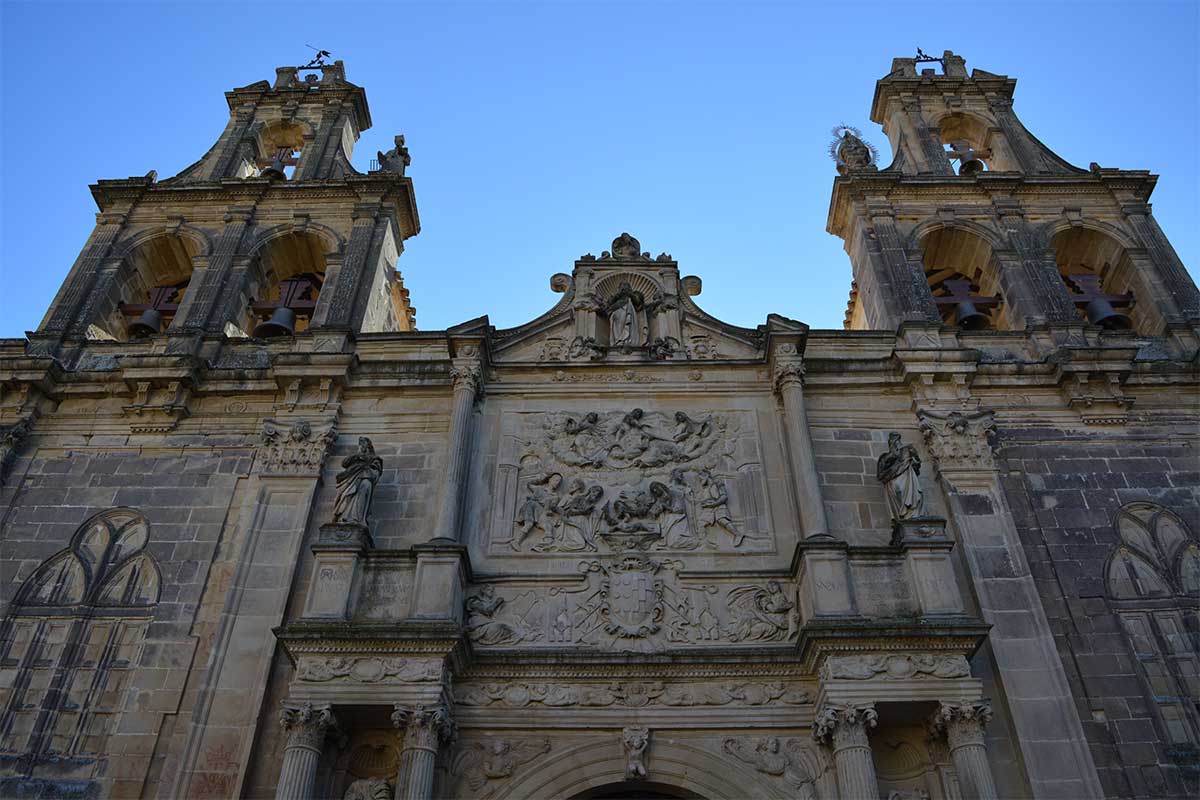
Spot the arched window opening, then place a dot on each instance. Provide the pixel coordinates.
(971, 145)
(963, 276)
(291, 273)
(71, 642)
(149, 289)
(1153, 581)
(1099, 274)
(279, 147)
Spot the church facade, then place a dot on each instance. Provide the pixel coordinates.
(261, 536)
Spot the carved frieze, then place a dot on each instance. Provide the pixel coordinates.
(636, 480)
(295, 447)
(633, 602)
(959, 440)
(626, 694)
(895, 667)
(366, 669)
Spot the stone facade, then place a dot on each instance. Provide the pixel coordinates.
(262, 537)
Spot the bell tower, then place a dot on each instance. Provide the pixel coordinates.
(976, 224)
(272, 233)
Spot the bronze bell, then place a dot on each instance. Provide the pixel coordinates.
(281, 323)
(971, 167)
(1101, 312)
(148, 324)
(968, 317)
(274, 170)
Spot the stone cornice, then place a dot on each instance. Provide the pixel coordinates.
(957, 635)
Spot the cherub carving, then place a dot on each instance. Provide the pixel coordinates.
(496, 759)
(764, 613)
(771, 756)
(635, 741)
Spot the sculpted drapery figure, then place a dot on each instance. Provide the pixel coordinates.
(899, 470)
(356, 484)
(624, 328)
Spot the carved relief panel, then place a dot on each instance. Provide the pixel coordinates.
(628, 480)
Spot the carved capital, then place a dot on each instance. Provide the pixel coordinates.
(961, 723)
(467, 375)
(306, 724)
(11, 440)
(425, 727)
(959, 440)
(295, 447)
(788, 370)
(845, 726)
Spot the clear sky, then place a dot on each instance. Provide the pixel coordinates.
(539, 131)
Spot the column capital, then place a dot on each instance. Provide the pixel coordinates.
(959, 440)
(467, 375)
(961, 723)
(842, 726)
(306, 724)
(295, 447)
(425, 727)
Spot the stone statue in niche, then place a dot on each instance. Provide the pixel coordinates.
(626, 330)
(486, 626)
(764, 614)
(899, 470)
(356, 484)
(635, 741)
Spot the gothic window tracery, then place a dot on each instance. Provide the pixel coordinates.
(1153, 579)
(72, 639)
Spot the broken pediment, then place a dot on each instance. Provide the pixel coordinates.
(625, 307)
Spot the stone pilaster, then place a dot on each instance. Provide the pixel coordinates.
(962, 724)
(306, 726)
(1167, 263)
(426, 729)
(1033, 288)
(205, 287)
(788, 370)
(1046, 723)
(77, 289)
(467, 375)
(845, 730)
(911, 294)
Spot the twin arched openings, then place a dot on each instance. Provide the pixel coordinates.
(71, 641)
(279, 295)
(1152, 579)
(968, 283)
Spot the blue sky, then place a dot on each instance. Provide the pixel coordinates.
(539, 131)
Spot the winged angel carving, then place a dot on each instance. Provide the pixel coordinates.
(481, 762)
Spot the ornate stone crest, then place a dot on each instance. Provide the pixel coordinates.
(631, 598)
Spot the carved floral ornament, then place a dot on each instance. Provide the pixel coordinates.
(295, 447)
(306, 724)
(961, 723)
(844, 725)
(959, 440)
(894, 667)
(626, 694)
(424, 726)
(366, 669)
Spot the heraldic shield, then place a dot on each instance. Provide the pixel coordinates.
(632, 598)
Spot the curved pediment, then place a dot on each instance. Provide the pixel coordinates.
(624, 307)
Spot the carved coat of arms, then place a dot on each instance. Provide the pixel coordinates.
(631, 598)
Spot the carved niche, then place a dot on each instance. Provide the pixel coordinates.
(621, 481)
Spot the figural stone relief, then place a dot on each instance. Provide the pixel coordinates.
(624, 694)
(895, 666)
(633, 603)
(794, 761)
(621, 481)
(483, 764)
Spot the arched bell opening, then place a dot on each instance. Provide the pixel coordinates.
(150, 287)
(963, 276)
(279, 148)
(972, 146)
(288, 274)
(1100, 277)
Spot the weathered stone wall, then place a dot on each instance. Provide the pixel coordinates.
(1065, 489)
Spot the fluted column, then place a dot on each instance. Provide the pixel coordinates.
(425, 729)
(306, 726)
(962, 724)
(789, 385)
(467, 374)
(845, 730)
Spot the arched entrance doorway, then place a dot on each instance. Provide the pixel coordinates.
(637, 790)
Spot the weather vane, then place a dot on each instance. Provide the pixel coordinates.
(924, 58)
(319, 61)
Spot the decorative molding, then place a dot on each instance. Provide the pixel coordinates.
(306, 724)
(367, 669)
(894, 667)
(295, 447)
(624, 694)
